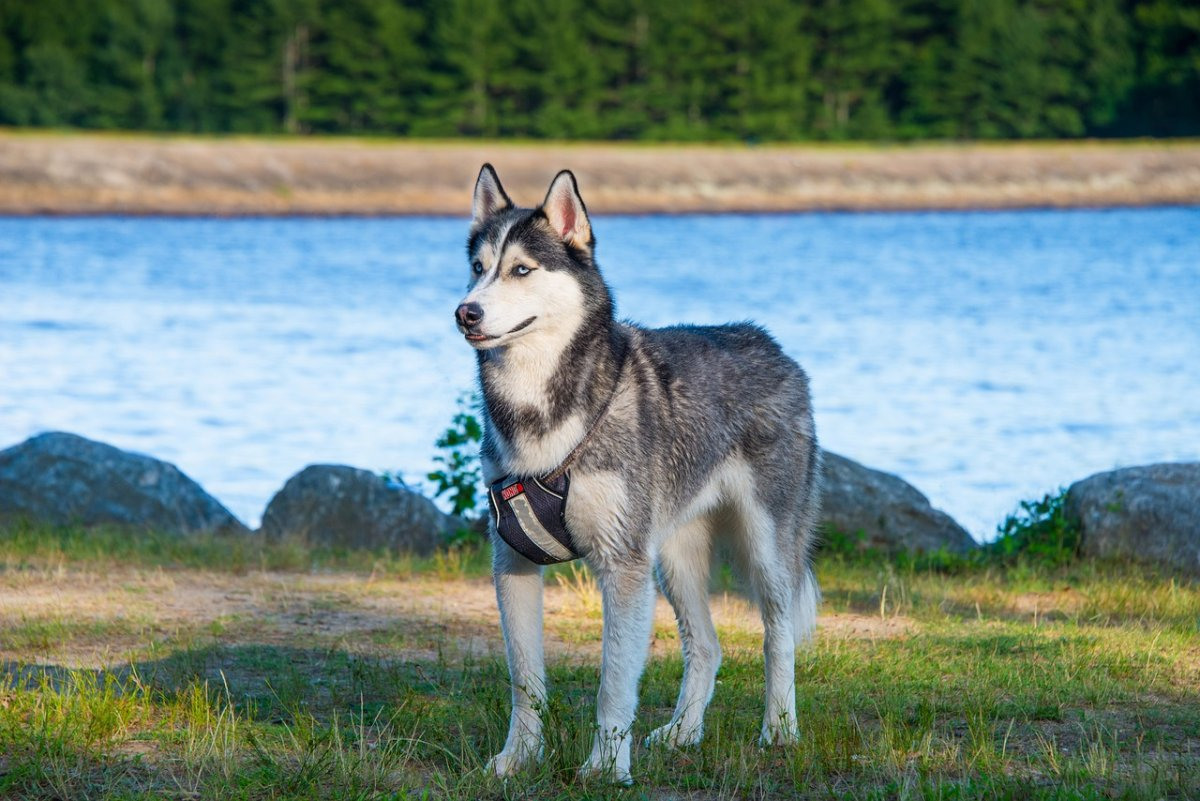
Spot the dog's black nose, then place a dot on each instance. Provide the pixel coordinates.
(469, 314)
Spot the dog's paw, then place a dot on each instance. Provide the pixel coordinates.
(502, 765)
(510, 761)
(605, 771)
(778, 734)
(675, 735)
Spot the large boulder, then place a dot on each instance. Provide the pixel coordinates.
(885, 510)
(60, 479)
(1147, 514)
(346, 507)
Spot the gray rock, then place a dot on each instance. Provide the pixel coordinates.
(1148, 514)
(891, 514)
(341, 506)
(61, 479)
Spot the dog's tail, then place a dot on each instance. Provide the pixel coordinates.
(806, 598)
(806, 595)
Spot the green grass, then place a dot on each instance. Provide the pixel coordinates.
(26, 547)
(45, 633)
(1071, 681)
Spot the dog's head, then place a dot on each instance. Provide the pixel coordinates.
(532, 272)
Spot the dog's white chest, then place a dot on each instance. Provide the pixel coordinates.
(530, 455)
(597, 510)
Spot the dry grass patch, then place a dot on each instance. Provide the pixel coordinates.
(136, 174)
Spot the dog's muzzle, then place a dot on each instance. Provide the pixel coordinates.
(530, 516)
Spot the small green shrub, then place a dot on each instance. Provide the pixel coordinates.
(1038, 531)
(459, 473)
(852, 548)
(838, 542)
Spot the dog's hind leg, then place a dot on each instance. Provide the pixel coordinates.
(774, 586)
(627, 592)
(683, 569)
(519, 594)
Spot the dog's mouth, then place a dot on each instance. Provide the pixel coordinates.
(522, 325)
(475, 335)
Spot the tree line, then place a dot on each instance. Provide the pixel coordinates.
(771, 70)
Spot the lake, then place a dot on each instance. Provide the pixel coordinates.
(985, 357)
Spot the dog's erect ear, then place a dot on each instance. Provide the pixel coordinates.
(564, 209)
(490, 196)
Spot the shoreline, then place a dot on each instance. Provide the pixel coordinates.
(101, 174)
(123, 214)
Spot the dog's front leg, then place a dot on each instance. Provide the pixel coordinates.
(519, 595)
(627, 593)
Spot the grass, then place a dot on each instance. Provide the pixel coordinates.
(26, 547)
(141, 667)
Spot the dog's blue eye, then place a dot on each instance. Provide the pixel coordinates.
(521, 269)
(477, 267)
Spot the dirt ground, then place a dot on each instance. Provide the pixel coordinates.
(84, 619)
(48, 173)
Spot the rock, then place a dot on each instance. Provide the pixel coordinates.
(351, 508)
(891, 514)
(61, 478)
(1148, 514)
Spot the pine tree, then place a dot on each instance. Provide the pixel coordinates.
(123, 64)
(770, 81)
(1165, 100)
(51, 42)
(369, 68)
(856, 61)
(469, 55)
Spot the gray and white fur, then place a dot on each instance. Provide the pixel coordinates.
(701, 433)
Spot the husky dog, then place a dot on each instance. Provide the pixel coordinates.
(677, 437)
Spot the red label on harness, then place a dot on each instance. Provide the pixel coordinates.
(511, 491)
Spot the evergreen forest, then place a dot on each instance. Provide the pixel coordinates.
(767, 70)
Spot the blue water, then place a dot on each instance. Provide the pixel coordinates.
(985, 357)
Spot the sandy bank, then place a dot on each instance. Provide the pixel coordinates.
(97, 174)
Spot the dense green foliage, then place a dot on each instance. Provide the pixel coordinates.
(623, 69)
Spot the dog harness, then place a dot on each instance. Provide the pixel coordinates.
(531, 513)
(531, 517)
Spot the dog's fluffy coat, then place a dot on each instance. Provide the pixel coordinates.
(700, 434)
